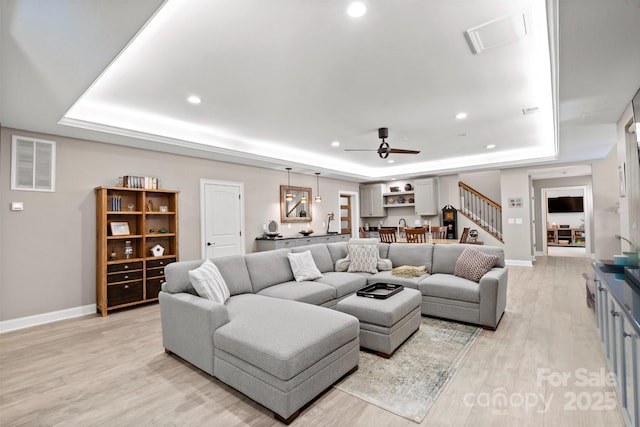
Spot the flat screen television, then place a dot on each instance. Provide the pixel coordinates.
(566, 204)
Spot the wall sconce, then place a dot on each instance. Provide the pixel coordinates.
(289, 196)
(318, 197)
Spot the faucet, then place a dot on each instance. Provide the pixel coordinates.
(329, 221)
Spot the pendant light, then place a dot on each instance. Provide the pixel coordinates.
(318, 197)
(289, 196)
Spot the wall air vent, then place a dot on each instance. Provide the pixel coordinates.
(498, 32)
(33, 164)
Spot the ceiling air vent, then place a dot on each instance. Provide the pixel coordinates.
(32, 164)
(498, 32)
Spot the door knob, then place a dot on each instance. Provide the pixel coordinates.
(209, 244)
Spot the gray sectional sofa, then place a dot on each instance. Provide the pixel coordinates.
(276, 341)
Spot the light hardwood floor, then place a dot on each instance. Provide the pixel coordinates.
(112, 371)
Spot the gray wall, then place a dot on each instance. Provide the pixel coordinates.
(47, 251)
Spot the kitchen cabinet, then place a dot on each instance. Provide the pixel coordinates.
(617, 314)
(371, 201)
(426, 196)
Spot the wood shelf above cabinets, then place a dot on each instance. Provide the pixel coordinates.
(399, 193)
(125, 282)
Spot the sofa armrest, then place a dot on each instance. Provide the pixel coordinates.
(188, 323)
(493, 296)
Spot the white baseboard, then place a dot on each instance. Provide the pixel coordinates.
(39, 319)
(518, 262)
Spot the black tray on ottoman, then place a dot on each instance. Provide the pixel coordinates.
(379, 290)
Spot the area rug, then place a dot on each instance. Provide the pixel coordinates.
(409, 383)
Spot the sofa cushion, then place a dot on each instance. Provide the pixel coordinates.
(344, 283)
(473, 264)
(450, 287)
(303, 266)
(209, 283)
(320, 254)
(268, 268)
(337, 250)
(268, 333)
(233, 270)
(363, 258)
(445, 256)
(415, 254)
(315, 293)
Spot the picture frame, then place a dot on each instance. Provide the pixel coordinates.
(622, 179)
(119, 228)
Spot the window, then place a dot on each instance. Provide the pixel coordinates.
(33, 164)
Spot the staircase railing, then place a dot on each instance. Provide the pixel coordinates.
(480, 209)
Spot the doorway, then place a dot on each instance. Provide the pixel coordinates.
(349, 221)
(566, 219)
(221, 218)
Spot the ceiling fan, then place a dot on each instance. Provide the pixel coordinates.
(384, 150)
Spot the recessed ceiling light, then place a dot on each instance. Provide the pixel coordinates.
(391, 161)
(461, 116)
(356, 9)
(335, 143)
(490, 146)
(194, 99)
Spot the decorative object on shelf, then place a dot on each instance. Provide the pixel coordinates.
(120, 228)
(412, 200)
(408, 187)
(145, 182)
(391, 200)
(128, 249)
(113, 256)
(116, 203)
(164, 209)
(149, 205)
(401, 200)
(271, 229)
(318, 197)
(289, 194)
(131, 207)
(162, 231)
(394, 189)
(473, 236)
(157, 250)
(306, 232)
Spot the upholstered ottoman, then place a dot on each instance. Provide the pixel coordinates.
(385, 323)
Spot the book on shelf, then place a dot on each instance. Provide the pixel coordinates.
(146, 182)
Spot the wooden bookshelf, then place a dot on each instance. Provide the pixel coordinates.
(122, 279)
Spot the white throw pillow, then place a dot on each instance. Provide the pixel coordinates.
(209, 283)
(303, 266)
(364, 258)
(342, 264)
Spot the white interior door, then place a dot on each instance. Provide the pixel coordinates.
(222, 218)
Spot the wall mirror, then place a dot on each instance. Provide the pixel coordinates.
(298, 209)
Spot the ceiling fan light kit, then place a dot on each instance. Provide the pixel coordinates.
(384, 149)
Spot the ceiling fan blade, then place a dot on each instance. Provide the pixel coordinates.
(401, 151)
(360, 149)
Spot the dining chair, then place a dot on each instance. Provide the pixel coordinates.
(416, 235)
(387, 235)
(439, 232)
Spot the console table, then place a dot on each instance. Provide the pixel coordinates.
(267, 244)
(618, 317)
(565, 237)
